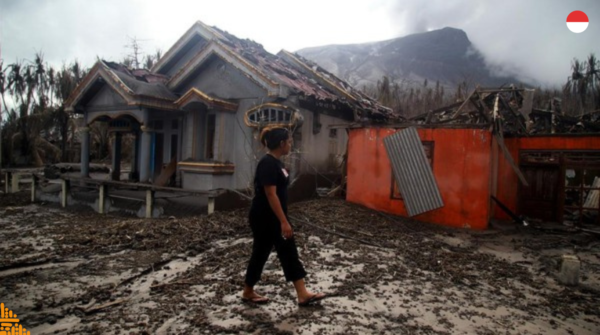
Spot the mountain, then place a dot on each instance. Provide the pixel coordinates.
(446, 55)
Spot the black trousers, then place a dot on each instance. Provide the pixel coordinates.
(267, 234)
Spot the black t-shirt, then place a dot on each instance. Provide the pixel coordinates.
(270, 171)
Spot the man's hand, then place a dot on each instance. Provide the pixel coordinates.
(286, 230)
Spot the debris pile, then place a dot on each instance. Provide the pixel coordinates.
(513, 108)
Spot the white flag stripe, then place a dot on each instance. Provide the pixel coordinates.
(577, 27)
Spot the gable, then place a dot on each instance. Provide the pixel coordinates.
(105, 96)
(185, 48)
(183, 55)
(218, 78)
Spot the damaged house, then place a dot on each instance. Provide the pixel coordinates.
(196, 115)
(489, 157)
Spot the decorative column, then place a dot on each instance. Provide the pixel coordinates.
(145, 154)
(135, 166)
(85, 151)
(116, 156)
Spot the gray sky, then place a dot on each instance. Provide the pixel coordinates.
(529, 39)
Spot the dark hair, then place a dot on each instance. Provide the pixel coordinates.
(272, 137)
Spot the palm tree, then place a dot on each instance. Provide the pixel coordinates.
(584, 84)
(593, 79)
(16, 82)
(51, 85)
(66, 81)
(39, 73)
(3, 85)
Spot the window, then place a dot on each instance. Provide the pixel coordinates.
(175, 124)
(428, 147)
(271, 114)
(211, 126)
(333, 133)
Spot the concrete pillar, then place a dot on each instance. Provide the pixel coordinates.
(33, 187)
(15, 182)
(116, 157)
(145, 154)
(135, 167)
(65, 192)
(102, 199)
(211, 205)
(85, 151)
(149, 203)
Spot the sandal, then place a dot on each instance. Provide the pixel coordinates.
(314, 298)
(258, 300)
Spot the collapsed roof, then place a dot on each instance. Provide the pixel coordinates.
(512, 107)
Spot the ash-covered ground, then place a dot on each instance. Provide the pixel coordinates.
(72, 271)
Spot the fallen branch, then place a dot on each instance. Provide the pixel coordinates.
(94, 309)
(145, 272)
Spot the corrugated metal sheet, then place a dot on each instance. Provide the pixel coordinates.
(412, 172)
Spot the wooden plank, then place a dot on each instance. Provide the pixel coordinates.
(508, 156)
(498, 90)
(514, 216)
(458, 111)
(435, 111)
(515, 113)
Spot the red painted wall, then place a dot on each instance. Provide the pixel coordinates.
(461, 165)
(508, 182)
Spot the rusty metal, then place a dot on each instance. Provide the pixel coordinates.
(412, 172)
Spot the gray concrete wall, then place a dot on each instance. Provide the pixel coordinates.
(224, 136)
(319, 151)
(188, 126)
(322, 151)
(246, 149)
(194, 121)
(197, 181)
(222, 181)
(220, 79)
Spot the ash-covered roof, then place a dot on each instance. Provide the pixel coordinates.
(304, 77)
(299, 75)
(142, 82)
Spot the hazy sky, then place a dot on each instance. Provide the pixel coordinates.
(526, 38)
